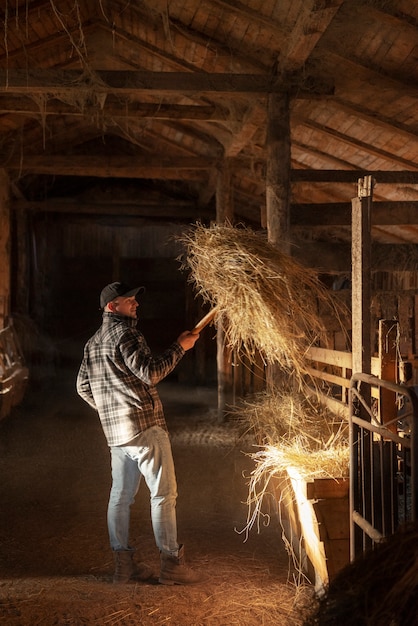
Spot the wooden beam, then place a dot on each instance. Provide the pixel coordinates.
(164, 209)
(358, 144)
(251, 124)
(298, 43)
(339, 214)
(115, 39)
(238, 8)
(128, 82)
(369, 75)
(115, 166)
(335, 258)
(185, 34)
(300, 150)
(112, 108)
(59, 38)
(311, 23)
(132, 82)
(375, 118)
(408, 176)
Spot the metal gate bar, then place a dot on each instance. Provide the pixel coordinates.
(383, 462)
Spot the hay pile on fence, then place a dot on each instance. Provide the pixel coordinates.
(296, 430)
(270, 303)
(286, 416)
(292, 431)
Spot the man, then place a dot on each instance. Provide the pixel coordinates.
(117, 378)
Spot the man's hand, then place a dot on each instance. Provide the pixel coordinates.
(187, 339)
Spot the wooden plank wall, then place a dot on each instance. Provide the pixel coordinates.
(400, 305)
(4, 250)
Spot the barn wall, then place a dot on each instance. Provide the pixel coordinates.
(71, 261)
(394, 296)
(4, 250)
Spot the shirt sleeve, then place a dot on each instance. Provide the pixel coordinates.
(138, 357)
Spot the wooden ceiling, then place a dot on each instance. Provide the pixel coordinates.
(132, 107)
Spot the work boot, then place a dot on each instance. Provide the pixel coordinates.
(126, 569)
(174, 570)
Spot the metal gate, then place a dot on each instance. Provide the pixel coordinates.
(383, 461)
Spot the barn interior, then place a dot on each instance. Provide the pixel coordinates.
(123, 125)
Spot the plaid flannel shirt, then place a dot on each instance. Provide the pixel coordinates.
(117, 378)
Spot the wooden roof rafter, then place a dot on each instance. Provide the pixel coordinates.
(312, 22)
(241, 57)
(360, 145)
(375, 117)
(365, 72)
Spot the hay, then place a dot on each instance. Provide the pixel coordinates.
(379, 587)
(273, 461)
(296, 431)
(282, 417)
(293, 431)
(269, 302)
(329, 463)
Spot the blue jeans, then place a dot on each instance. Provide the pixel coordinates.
(148, 456)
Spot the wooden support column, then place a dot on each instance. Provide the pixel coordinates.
(278, 188)
(4, 249)
(224, 196)
(224, 214)
(278, 171)
(361, 325)
(361, 276)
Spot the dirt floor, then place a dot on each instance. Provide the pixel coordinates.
(55, 562)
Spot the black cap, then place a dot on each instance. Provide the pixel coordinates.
(116, 290)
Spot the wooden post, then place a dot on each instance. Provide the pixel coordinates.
(278, 171)
(4, 249)
(224, 196)
(361, 276)
(361, 320)
(224, 214)
(278, 187)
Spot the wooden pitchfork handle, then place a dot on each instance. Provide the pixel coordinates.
(204, 322)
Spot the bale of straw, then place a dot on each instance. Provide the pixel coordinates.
(268, 301)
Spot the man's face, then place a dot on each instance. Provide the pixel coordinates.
(126, 306)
